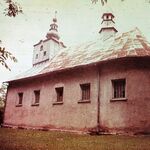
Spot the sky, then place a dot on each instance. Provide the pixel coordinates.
(78, 20)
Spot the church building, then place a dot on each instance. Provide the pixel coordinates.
(101, 85)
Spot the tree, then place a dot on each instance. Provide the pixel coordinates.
(13, 8)
(4, 56)
(3, 90)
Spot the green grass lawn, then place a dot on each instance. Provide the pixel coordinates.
(15, 139)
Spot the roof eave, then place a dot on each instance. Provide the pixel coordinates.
(71, 68)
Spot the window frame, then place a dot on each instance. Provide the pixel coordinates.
(41, 48)
(37, 94)
(44, 53)
(120, 85)
(85, 90)
(57, 102)
(36, 56)
(59, 94)
(19, 99)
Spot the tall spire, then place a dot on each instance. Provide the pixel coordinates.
(108, 25)
(53, 31)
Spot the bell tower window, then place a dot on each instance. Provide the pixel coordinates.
(36, 56)
(41, 48)
(44, 53)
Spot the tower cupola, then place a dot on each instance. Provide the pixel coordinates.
(53, 31)
(46, 49)
(108, 25)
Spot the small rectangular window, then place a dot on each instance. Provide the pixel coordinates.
(119, 88)
(44, 53)
(20, 96)
(36, 57)
(41, 47)
(37, 96)
(85, 91)
(59, 92)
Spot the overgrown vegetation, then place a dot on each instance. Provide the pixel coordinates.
(1, 115)
(3, 90)
(14, 139)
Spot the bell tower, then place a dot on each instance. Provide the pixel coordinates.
(108, 25)
(46, 49)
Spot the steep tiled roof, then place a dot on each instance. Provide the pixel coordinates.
(129, 44)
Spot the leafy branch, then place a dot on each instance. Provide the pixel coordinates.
(102, 2)
(13, 8)
(4, 55)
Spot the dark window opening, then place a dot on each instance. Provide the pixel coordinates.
(41, 48)
(44, 53)
(119, 88)
(85, 89)
(59, 92)
(20, 95)
(36, 56)
(37, 96)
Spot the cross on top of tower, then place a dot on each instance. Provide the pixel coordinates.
(55, 19)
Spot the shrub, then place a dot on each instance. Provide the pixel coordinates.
(1, 115)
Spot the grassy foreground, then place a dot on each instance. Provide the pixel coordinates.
(14, 139)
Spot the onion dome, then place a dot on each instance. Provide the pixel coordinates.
(53, 31)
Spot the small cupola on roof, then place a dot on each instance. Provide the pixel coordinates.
(53, 31)
(108, 25)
